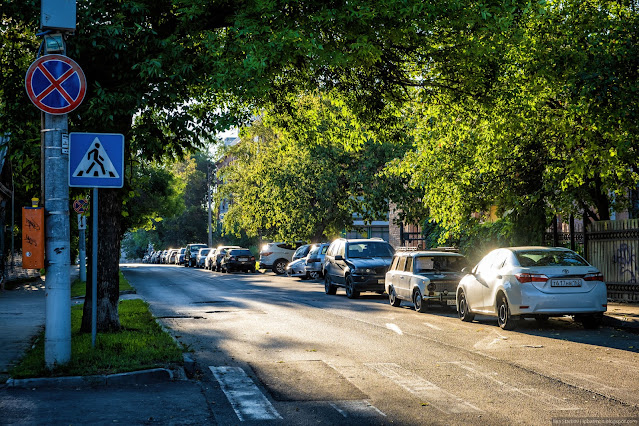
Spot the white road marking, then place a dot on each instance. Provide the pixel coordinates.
(360, 407)
(490, 342)
(394, 328)
(248, 402)
(423, 389)
(536, 394)
(433, 326)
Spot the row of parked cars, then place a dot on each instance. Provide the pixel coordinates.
(221, 258)
(510, 283)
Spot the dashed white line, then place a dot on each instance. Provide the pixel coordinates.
(433, 326)
(395, 328)
(248, 402)
(362, 408)
(422, 388)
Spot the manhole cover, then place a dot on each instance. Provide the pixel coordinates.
(305, 381)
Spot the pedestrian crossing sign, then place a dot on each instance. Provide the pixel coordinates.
(96, 160)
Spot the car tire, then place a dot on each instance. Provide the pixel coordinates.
(418, 302)
(393, 299)
(590, 322)
(463, 310)
(313, 275)
(329, 287)
(504, 318)
(351, 293)
(279, 267)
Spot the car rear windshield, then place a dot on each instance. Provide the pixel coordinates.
(240, 253)
(439, 264)
(529, 258)
(197, 248)
(369, 249)
(205, 251)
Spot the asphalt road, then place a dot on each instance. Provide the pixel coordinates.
(277, 349)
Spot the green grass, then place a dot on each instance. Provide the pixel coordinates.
(78, 288)
(140, 345)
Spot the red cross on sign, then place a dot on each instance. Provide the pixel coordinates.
(55, 84)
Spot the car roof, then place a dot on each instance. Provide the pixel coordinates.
(363, 240)
(536, 248)
(428, 253)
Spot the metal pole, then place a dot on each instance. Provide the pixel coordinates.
(82, 252)
(94, 268)
(57, 343)
(208, 198)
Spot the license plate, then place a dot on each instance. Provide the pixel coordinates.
(565, 283)
(381, 281)
(242, 259)
(451, 302)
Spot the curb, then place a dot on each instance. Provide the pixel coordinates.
(142, 377)
(617, 321)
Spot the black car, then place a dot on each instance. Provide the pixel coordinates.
(238, 260)
(357, 265)
(191, 253)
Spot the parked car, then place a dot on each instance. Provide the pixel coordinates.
(276, 256)
(297, 268)
(315, 261)
(538, 282)
(422, 277)
(238, 260)
(357, 265)
(170, 257)
(201, 257)
(164, 258)
(191, 252)
(216, 262)
(179, 257)
(209, 262)
(301, 252)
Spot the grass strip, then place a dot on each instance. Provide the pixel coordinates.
(78, 288)
(141, 344)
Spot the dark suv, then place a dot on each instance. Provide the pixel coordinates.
(357, 265)
(238, 260)
(191, 253)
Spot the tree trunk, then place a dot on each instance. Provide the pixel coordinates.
(110, 211)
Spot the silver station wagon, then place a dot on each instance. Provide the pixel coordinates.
(421, 277)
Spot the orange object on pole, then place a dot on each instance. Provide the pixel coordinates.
(33, 239)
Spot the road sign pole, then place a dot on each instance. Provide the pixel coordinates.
(82, 251)
(94, 268)
(57, 336)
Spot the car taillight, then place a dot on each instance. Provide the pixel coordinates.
(531, 278)
(594, 277)
(252, 257)
(232, 258)
(266, 253)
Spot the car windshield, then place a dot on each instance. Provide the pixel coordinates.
(529, 258)
(204, 251)
(439, 264)
(369, 249)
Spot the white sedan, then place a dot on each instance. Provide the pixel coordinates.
(538, 282)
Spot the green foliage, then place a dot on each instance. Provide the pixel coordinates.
(142, 344)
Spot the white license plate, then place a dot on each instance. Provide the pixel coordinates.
(381, 281)
(242, 259)
(451, 302)
(565, 283)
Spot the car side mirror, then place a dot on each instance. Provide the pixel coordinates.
(339, 257)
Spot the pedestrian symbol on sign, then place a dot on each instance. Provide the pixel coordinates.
(96, 163)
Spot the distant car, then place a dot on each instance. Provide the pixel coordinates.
(164, 257)
(191, 252)
(297, 268)
(220, 252)
(422, 277)
(200, 258)
(357, 265)
(238, 260)
(301, 252)
(179, 257)
(170, 257)
(314, 265)
(538, 282)
(276, 256)
(209, 261)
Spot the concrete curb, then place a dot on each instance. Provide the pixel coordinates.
(619, 321)
(142, 377)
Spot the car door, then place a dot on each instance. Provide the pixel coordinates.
(493, 278)
(401, 279)
(339, 264)
(476, 283)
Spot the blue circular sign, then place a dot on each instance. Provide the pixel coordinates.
(55, 84)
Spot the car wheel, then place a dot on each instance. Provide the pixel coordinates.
(279, 267)
(463, 310)
(418, 302)
(329, 288)
(590, 322)
(314, 275)
(351, 293)
(392, 298)
(504, 318)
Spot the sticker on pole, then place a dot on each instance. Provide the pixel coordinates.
(55, 84)
(96, 160)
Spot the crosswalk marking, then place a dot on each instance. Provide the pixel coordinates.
(422, 388)
(248, 402)
(362, 408)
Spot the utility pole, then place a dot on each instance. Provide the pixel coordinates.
(208, 199)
